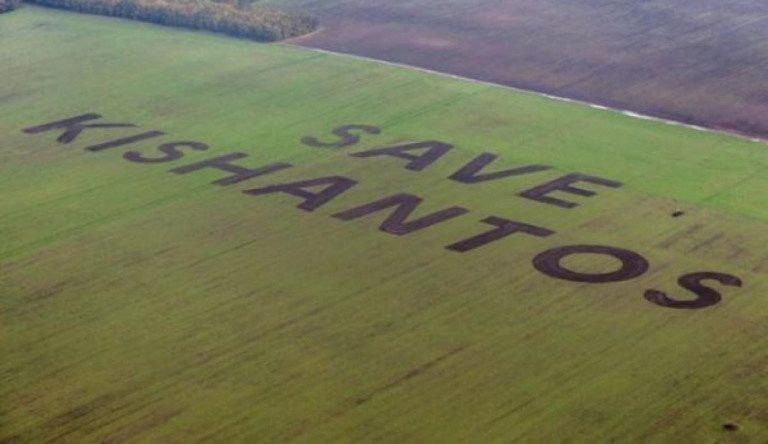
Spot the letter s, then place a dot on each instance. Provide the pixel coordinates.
(692, 282)
(172, 152)
(346, 138)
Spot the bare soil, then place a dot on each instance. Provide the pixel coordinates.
(701, 62)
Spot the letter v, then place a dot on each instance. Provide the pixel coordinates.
(469, 172)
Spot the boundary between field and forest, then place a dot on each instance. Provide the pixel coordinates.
(9, 5)
(231, 17)
(621, 111)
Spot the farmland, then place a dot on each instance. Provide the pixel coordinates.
(233, 18)
(142, 302)
(701, 62)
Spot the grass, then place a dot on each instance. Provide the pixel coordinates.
(138, 305)
(694, 61)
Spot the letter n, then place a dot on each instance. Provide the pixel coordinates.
(332, 186)
(404, 205)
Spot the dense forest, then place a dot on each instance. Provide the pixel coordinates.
(8, 5)
(233, 17)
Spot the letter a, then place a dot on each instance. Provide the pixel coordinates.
(434, 151)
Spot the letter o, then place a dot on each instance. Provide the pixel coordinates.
(632, 264)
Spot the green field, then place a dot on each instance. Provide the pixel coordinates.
(701, 62)
(137, 305)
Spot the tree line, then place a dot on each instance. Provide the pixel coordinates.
(238, 19)
(8, 5)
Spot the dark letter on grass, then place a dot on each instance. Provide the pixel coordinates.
(124, 141)
(332, 187)
(404, 205)
(504, 228)
(172, 152)
(692, 282)
(72, 127)
(549, 263)
(239, 173)
(469, 172)
(346, 138)
(434, 150)
(540, 193)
